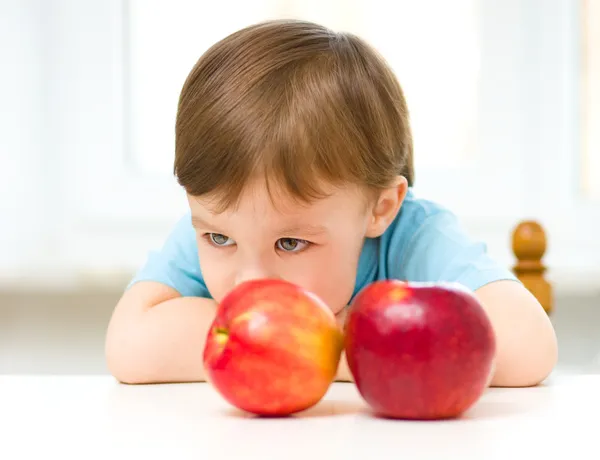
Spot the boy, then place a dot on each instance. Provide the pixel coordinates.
(294, 147)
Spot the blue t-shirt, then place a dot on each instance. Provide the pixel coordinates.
(424, 243)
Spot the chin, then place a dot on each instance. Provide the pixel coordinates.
(340, 300)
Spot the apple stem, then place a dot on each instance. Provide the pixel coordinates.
(222, 335)
(221, 331)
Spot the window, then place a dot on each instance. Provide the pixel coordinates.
(591, 99)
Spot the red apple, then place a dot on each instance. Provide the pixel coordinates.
(273, 348)
(419, 350)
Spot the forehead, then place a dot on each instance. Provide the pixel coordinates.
(276, 204)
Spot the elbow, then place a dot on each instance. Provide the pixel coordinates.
(123, 358)
(119, 365)
(119, 370)
(526, 344)
(528, 368)
(548, 358)
(125, 370)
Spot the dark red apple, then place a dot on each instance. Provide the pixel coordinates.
(419, 350)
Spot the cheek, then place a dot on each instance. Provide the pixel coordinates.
(332, 275)
(214, 272)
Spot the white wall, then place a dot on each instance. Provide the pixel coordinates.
(79, 202)
(22, 131)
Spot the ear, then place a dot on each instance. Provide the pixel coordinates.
(386, 207)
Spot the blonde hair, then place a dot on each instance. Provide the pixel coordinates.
(295, 103)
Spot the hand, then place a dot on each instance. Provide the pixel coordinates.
(340, 317)
(343, 373)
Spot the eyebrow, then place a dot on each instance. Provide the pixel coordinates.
(199, 222)
(292, 229)
(304, 230)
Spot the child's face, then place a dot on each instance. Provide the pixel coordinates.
(316, 246)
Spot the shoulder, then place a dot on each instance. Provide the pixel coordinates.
(175, 263)
(417, 221)
(427, 242)
(415, 215)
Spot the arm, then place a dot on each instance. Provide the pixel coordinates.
(155, 335)
(343, 373)
(527, 349)
(526, 342)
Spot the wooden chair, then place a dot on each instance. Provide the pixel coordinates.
(529, 246)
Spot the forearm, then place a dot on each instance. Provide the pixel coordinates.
(526, 346)
(164, 343)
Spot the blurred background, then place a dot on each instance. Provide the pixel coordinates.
(505, 106)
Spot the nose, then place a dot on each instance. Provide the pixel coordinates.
(252, 273)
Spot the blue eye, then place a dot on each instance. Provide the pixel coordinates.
(291, 244)
(220, 240)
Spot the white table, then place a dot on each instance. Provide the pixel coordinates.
(96, 417)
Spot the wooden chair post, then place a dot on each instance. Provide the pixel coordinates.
(529, 246)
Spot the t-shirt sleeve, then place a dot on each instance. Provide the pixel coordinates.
(440, 250)
(176, 264)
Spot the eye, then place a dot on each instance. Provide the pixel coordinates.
(291, 244)
(220, 240)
